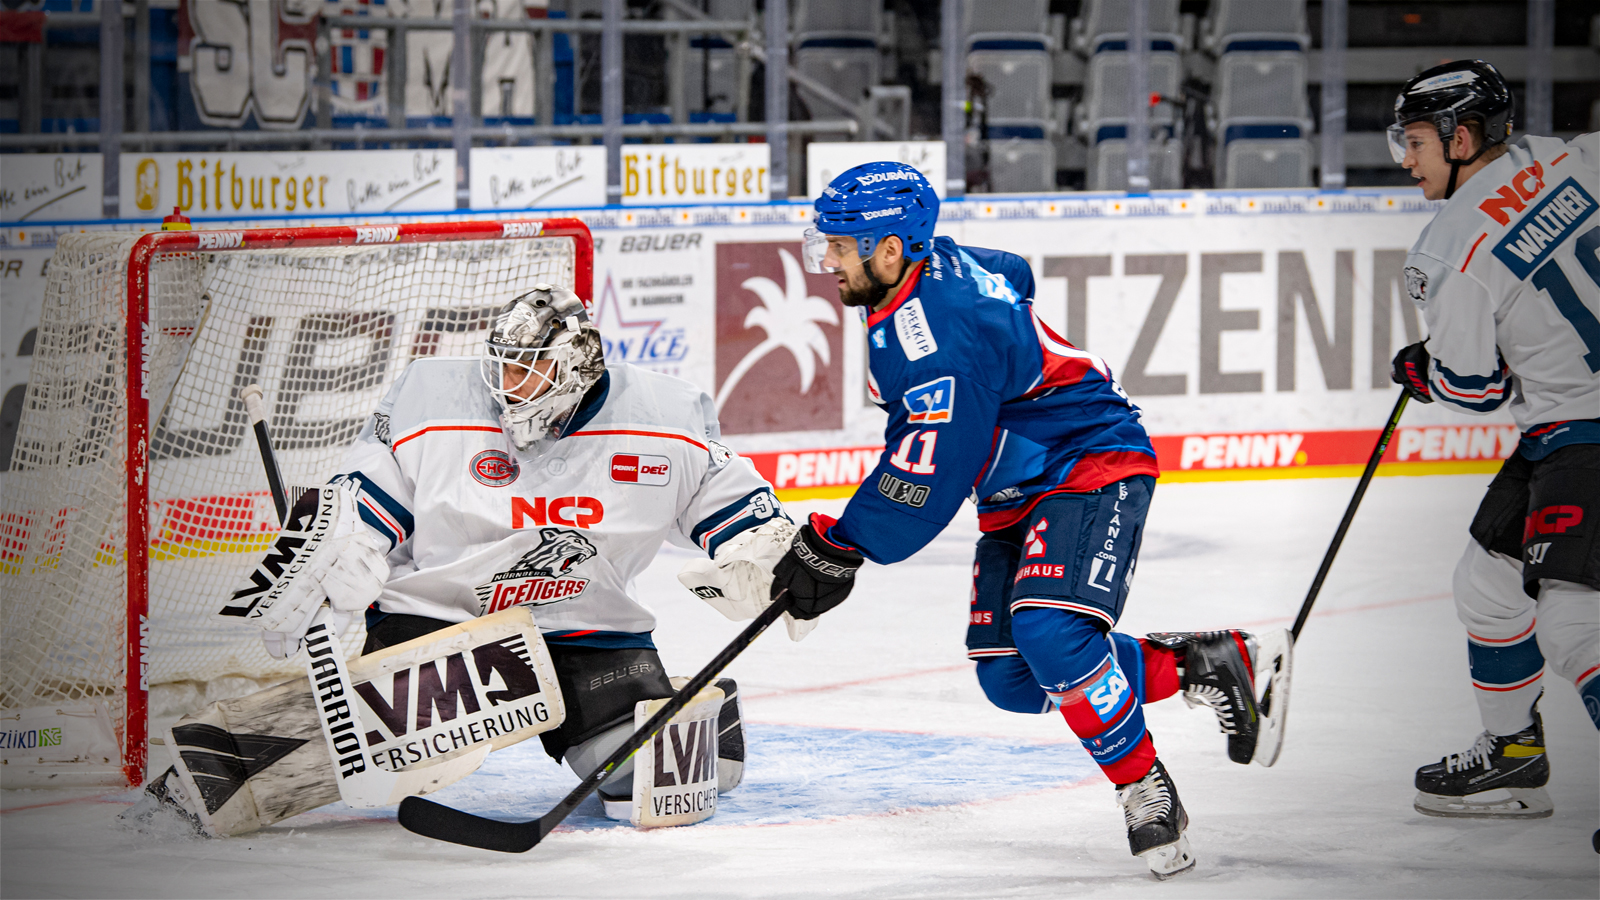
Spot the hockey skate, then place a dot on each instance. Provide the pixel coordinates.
(1156, 822)
(1244, 679)
(164, 808)
(1454, 786)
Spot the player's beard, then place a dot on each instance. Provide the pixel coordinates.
(867, 289)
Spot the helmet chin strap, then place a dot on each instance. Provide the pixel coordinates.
(880, 289)
(1455, 167)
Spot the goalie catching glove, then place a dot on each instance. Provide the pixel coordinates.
(738, 583)
(322, 553)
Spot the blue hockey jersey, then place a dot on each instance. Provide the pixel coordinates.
(984, 400)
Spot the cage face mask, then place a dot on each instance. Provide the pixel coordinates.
(541, 356)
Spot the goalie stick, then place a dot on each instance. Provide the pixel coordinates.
(1349, 515)
(443, 823)
(361, 782)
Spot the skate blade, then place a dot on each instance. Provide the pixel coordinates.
(1275, 656)
(1521, 803)
(1170, 859)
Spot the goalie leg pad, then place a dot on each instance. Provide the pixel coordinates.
(675, 778)
(250, 762)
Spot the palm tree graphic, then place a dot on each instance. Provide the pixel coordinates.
(789, 317)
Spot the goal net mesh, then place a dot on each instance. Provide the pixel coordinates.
(323, 330)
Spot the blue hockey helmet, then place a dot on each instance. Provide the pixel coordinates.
(871, 202)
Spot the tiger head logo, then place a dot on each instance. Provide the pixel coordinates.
(559, 552)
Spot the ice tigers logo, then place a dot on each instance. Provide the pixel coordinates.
(559, 552)
(542, 575)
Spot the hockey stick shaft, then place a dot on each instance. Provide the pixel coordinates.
(1349, 514)
(251, 395)
(443, 823)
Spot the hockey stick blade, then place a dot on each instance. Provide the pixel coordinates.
(1349, 515)
(442, 823)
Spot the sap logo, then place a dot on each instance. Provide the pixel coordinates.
(911, 326)
(220, 240)
(1537, 235)
(880, 213)
(521, 229)
(876, 177)
(574, 512)
(1524, 185)
(494, 468)
(1107, 692)
(983, 618)
(878, 339)
(629, 468)
(385, 234)
(931, 403)
(1552, 520)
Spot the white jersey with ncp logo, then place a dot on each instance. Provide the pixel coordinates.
(1507, 277)
(475, 526)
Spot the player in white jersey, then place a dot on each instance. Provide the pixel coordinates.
(1507, 277)
(540, 476)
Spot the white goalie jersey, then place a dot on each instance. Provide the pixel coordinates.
(1507, 277)
(475, 527)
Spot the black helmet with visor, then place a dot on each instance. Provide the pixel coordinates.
(1448, 96)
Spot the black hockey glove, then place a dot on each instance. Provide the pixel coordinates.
(1411, 371)
(817, 573)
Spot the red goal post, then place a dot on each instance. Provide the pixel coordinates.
(377, 294)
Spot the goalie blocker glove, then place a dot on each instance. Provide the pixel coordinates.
(817, 573)
(1411, 371)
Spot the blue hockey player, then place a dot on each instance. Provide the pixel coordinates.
(986, 402)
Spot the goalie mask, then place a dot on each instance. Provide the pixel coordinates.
(541, 356)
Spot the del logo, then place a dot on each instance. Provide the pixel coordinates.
(630, 468)
(440, 705)
(541, 576)
(931, 403)
(494, 468)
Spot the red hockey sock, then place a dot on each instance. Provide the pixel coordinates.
(1134, 766)
(1160, 671)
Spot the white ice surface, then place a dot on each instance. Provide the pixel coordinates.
(878, 769)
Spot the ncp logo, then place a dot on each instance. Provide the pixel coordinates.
(1552, 520)
(573, 512)
(632, 468)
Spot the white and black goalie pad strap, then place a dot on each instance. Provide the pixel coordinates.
(730, 733)
(675, 774)
(312, 523)
(424, 706)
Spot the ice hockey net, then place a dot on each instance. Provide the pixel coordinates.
(136, 500)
